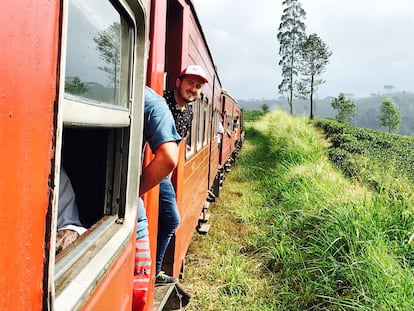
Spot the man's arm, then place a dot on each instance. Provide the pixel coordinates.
(164, 162)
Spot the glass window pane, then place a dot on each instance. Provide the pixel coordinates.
(206, 121)
(200, 122)
(93, 52)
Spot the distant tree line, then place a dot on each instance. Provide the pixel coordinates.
(367, 112)
(389, 115)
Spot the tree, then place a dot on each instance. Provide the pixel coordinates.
(291, 33)
(265, 108)
(390, 115)
(345, 108)
(314, 57)
(108, 45)
(75, 86)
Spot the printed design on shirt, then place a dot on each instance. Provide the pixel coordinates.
(183, 118)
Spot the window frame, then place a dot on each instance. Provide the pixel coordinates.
(75, 275)
(190, 140)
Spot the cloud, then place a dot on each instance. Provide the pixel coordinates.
(370, 42)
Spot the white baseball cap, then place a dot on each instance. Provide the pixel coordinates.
(194, 70)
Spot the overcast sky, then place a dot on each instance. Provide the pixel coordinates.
(371, 42)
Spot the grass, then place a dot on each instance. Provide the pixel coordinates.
(291, 232)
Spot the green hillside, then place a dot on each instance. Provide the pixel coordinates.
(367, 109)
(313, 216)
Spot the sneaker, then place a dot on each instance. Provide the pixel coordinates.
(163, 278)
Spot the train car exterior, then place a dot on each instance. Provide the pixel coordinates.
(193, 185)
(24, 188)
(71, 96)
(65, 103)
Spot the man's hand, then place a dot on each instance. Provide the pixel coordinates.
(64, 238)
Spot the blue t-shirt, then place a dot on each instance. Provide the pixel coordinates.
(159, 128)
(159, 124)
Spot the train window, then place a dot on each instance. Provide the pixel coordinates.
(93, 53)
(96, 104)
(236, 123)
(200, 121)
(228, 124)
(217, 120)
(190, 140)
(100, 134)
(206, 132)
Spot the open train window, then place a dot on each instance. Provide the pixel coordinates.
(100, 136)
(228, 123)
(217, 120)
(190, 142)
(96, 107)
(200, 121)
(206, 112)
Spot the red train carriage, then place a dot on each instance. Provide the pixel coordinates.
(65, 103)
(199, 172)
(71, 95)
(186, 45)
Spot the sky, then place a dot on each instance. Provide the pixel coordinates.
(371, 43)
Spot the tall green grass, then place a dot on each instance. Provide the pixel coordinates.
(291, 232)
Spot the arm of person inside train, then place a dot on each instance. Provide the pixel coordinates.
(164, 162)
(220, 130)
(68, 224)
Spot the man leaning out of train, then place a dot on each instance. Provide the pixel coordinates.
(188, 87)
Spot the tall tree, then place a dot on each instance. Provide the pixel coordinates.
(345, 108)
(314, 57)
(291, 33)
(390, 115)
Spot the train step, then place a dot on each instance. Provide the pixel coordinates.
(170, 297)
(203, 228)
(210, 196)
(204, 217)
(161, 295)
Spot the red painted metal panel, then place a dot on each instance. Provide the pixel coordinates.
(151, 199)
(156, 60)
(157, 11)
(114, 292)
(191, 196)
(28, 65)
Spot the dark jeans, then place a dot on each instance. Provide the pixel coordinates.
(168, 220)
